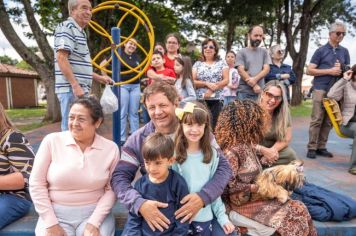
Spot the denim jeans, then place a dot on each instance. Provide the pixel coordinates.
(12, 208)
(130, 104)
(228, 99)
(65, 99)
(350, 131)
(244, 96)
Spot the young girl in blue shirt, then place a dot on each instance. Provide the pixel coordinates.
(196, 161)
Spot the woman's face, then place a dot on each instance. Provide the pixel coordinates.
(209, 51)
(172, 45)
(130, 46)
(271, 98)
(81, 124)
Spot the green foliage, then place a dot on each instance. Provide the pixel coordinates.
(8, 60)
(24, 65)
(303, 110)
(26, 112)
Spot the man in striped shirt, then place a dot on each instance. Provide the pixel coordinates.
(73, 69)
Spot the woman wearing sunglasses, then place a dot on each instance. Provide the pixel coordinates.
(274, 147)
(279, 70)
(210, 76)
(345, 90)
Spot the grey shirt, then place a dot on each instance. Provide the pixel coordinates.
(187, 94)
(253, 61)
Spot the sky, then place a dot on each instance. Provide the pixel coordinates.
(348, 42)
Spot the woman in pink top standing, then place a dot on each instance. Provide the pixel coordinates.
(70, 180)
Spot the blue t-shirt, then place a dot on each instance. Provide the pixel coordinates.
(325, 58)
(171, 191)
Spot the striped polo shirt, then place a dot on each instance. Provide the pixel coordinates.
(71, 37)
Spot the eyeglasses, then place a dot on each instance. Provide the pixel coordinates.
(340, 33)
(208, 46)
(270, 96)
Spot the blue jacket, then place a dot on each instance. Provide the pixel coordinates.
(325, 205)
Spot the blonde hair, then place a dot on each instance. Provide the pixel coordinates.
(5, 122)
(281, 114)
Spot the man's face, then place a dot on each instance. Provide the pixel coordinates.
(162, 112)
(337, 35)
(256, 35)
(81, 13)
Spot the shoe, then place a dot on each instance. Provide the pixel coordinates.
(352, 171)
(324, 153)
(311, 154)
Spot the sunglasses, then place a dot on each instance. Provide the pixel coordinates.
(340, 33)
(270, 96)
(208, 46)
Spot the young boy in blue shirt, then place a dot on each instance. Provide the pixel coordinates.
(159, 184)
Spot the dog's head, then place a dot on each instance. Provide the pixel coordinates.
(280, 181)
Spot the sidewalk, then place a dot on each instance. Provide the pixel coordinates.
(330, 173)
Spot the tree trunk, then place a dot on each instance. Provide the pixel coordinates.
(231, 25)
(45, 70)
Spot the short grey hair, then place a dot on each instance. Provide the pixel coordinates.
(336, 24)
(72, 4)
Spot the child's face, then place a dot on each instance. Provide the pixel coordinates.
(178, 68)
(159, 48)
(193, 132)
(158, 169)
(157, 60)
(230, 59)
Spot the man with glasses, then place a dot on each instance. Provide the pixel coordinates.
(326, 66)
(253, 65)
(73, 69)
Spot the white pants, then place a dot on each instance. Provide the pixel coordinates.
(254, 228)
(73, 220)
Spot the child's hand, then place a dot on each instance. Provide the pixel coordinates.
(229, 228)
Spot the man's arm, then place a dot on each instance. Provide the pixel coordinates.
(66, 68)
(312, 70)
(103, 79)
(122, 177)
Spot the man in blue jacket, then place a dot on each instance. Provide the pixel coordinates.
(161, 99)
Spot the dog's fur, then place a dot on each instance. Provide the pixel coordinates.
(280, 181)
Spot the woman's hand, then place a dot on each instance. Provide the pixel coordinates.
(91, 230)
(55, 230)
(153, 216)
(208, 93)
(228, 228)
(348, 75)
(212, 86)
(192, 203)
(271, 155)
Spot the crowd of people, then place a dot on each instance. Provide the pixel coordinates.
(211, 127)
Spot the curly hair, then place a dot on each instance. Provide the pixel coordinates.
(200, 116)
(240, 122)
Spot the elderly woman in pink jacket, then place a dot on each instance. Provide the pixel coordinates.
(345, 90)
(70, 180)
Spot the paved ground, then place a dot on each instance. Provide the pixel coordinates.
(330, 173)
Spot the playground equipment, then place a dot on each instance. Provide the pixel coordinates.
(116, 42)
(333, 110)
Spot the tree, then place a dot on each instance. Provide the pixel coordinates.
(299, 20)
(8, 60)
(44, 67)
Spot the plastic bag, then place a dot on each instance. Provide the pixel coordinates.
(109, 101)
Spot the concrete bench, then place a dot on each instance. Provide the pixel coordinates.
(26, 225)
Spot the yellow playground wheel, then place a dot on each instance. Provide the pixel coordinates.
(142, 20)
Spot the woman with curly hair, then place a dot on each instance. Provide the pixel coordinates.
(241, 126)
(274, 146)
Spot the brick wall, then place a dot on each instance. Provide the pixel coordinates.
(3, 97)
(23, 92)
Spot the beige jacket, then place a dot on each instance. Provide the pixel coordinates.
(345, 90)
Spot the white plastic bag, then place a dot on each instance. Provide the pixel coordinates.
(109, 101)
